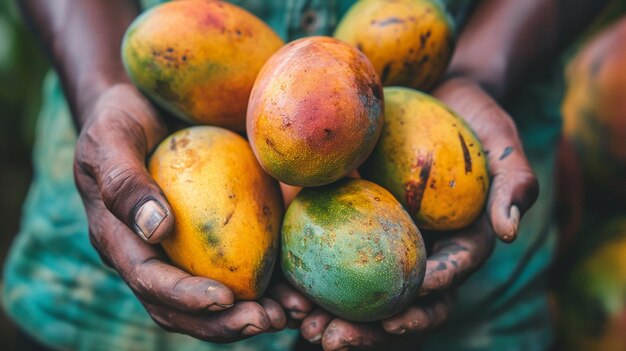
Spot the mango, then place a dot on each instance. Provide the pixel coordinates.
(315, 112)
(409, 42)
(352, 249)
(228, 210)
(591, 308)
(430, 160)
(198, 59)
(594, 112)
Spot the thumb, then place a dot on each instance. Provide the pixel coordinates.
(514, 189)
(129, 192)
(112, 150)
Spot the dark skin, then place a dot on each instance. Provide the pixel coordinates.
(118, 127)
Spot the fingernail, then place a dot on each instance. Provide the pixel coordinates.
(514, 219)
(316, 339)
(514, 216)
(252, 329)
(148, 218)
(398, 331)
(219, 307)
(297, 314)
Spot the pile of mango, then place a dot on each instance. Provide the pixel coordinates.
(314, 112)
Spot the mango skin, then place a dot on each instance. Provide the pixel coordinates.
(590, 303)
(198, 59)
(228, 210)
(315, 112)
(352, 249)
(594, 112)
(409, 42)
(430, 159)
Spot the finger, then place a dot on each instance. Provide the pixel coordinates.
(289, 192)
(340, 335)
(422, 316)
(112, 149)
(244, 320)
(295, 304)
(276, 315)
(514, 186)
(457, 256)
(313, 326)
(143, 268)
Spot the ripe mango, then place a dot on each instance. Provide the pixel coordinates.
(430, 160)
(353, 249)
(315, 112)
(198, 59)
(594, 112)
(410, 42)
(590, 302)
(227, 209)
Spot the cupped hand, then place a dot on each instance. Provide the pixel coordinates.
(128, 213)
(455, 255)
(514, 186)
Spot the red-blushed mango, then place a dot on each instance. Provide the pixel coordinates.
(315, 112)
(353, 249)
(430, 159)
(228, 210)
(198, 59)
(410, 42)
(594, 112)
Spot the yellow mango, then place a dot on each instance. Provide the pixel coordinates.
(198, 59)
(409, 42)
(228, 210)
(430, 160)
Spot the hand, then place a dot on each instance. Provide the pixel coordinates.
(514, 187)
(127, 213)
(455, 255)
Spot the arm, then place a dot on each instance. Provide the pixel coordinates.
(125, 208)
(83, 40)
(506, 39)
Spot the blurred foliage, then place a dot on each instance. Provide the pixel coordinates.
(22, 66)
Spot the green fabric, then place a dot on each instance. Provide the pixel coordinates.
(57, 289)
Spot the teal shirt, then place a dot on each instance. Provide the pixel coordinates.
(57, 289)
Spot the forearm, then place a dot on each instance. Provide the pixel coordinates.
(506, 39)
(83, 39)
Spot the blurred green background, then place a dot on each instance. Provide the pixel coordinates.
(22, 66)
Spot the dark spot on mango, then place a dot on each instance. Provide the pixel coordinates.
(386, 71)
(228, 217)
(164, 89)
(173, 144)
(467, 158)
(328, 133)
(269, 143)
(390, 20)
(209, 235)
(377, 91)
(423, 38)
(442, 266)
(414, 189)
